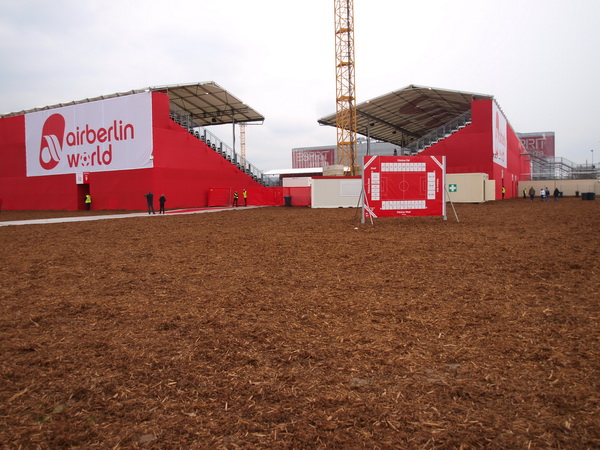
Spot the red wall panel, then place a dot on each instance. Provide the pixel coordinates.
(12, 147)
(16, 189)
(469, 150)
(300, 195)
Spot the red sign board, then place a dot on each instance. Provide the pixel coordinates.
(404, 186)
(305, 158)
(538, 144)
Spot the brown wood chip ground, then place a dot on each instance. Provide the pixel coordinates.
(289, 328)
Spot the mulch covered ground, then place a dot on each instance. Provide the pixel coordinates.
(299, 328)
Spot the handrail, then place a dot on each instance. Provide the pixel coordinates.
(561, 169)
(439, 133)
(187, 121)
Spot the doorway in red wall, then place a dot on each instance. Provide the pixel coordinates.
(82, 191)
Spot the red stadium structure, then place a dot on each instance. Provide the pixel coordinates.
(117, 148)
(487, 145)
(469, 129)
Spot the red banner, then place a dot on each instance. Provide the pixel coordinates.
(404, 186)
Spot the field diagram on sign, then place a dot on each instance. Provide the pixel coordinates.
(403, 185)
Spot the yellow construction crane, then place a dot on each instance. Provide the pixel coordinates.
(345, 110)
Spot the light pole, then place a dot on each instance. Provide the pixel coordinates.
(369, 137)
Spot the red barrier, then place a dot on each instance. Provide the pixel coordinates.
(300, 195)
(266, 196)
(219, 197)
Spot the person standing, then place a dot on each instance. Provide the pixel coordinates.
(547, 194)
(503, 192)
(556, 194)
(524, 193)
(88, 202)
(543, 194)
(531, 193)
(235, 198)
(245, 195)
(150, 200)
(161, 201)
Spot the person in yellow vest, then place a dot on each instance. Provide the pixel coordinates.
(235, 198)
(88, 202)
(503, 192)
(245, 195)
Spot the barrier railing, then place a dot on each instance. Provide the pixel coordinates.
(187, 121)
(561, 169)
(436, 135)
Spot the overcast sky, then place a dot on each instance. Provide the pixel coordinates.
(539, 58)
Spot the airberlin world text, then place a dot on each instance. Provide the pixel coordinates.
(90, 136)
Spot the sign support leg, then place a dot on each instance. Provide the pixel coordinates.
(451, 204)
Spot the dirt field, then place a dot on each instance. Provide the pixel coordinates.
(299, 328)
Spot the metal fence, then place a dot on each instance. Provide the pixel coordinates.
(187, 121)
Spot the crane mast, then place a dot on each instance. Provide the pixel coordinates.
(345, 110)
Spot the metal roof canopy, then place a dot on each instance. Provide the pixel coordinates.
(403, 116)
(207, 102)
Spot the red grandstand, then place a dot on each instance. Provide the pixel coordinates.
(118, 147)
(469, 129)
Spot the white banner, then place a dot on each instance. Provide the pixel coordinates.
(104, 135)
(500, 139)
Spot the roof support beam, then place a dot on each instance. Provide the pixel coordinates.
(387, 124)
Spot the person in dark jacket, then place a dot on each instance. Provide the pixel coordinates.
(150, 199)
(161, 201)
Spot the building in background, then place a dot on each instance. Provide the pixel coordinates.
(540, 145)
(323, 156)
(545, 165)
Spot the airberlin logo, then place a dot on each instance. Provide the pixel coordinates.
(51, 146)
(55, 142)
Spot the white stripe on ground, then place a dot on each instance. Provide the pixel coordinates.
(117, 216)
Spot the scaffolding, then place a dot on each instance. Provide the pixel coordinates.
(561, 169)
